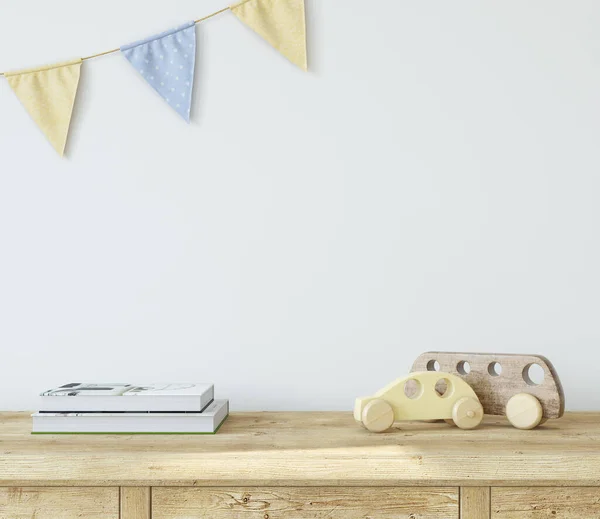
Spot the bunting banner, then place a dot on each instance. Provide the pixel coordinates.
(166, 61)
(48, 94)
(281, 23)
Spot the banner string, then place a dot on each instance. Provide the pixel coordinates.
(112, 51)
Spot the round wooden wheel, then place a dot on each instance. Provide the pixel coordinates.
(378, 415)
(524, 411)
(467, 413)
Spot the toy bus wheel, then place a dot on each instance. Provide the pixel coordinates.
(467, 413)
(378, 415)
(524, 411)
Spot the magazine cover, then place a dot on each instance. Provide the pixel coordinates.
(79, 396)
(76, 388)
(165, 389)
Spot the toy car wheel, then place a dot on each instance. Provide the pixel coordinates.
(378, 415)
(524, 411)
(467, 413)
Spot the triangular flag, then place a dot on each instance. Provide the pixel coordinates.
(48, 94)
(166, 61)
(281, 22)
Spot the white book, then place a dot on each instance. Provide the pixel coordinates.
(207, 422)
(78, 397)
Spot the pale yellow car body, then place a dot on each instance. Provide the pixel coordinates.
(426, 403)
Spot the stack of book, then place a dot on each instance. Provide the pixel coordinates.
(130, 409)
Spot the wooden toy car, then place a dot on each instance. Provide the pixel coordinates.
(504, 383)
(415, 397)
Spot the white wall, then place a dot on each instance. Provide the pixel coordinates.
(431, 184)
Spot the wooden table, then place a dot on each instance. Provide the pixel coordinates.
(305, 465)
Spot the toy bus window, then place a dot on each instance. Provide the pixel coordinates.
(533, 374)
(463, 367)
(495, 369)
(433, 365)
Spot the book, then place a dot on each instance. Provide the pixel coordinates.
(78, 397)
(207, 422)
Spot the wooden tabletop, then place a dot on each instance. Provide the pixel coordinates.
(306, 449)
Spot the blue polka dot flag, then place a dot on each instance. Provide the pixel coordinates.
(166, 61)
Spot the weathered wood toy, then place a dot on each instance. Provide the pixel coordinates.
(426, 395)
(504, 383)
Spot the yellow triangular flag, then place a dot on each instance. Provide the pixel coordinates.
(281, 22)
(48, 94)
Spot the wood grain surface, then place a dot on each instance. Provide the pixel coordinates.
(305, 503)
(493, 390)
(309, 449)
(59, 503)
(475, 503)
(541, 503)
(136, 503)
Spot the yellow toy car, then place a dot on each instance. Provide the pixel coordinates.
(425, 395)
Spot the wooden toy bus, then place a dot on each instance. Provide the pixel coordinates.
(505, 384)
